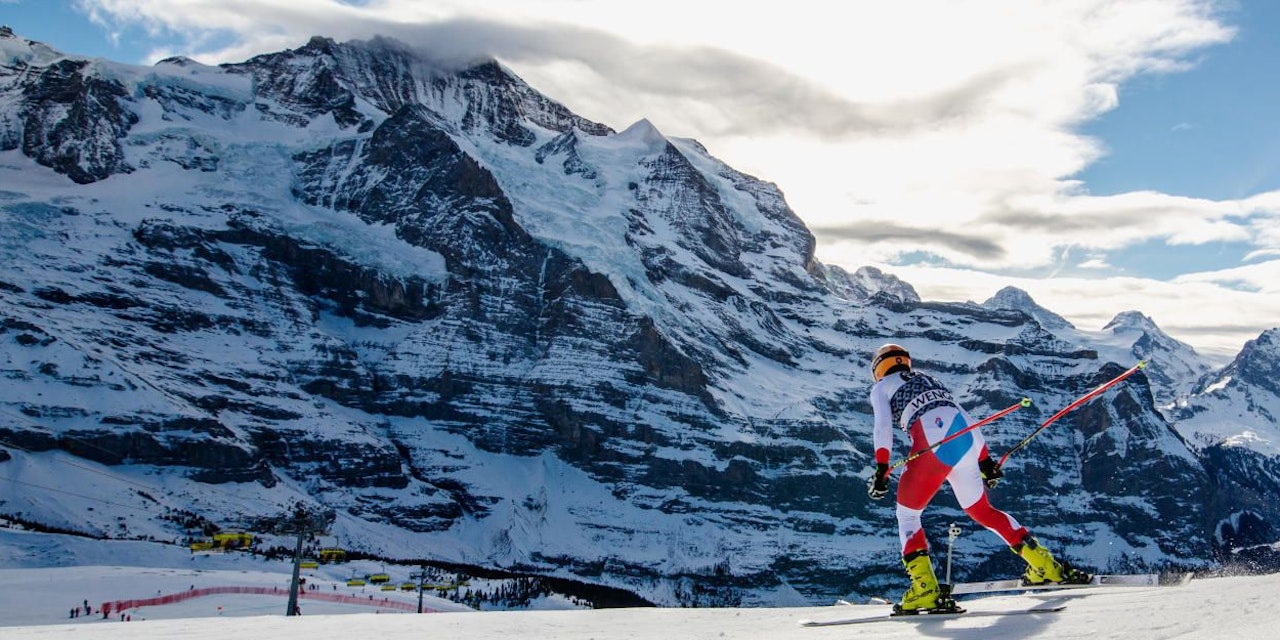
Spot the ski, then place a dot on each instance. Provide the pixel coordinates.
(1105, 580)
(922, 617)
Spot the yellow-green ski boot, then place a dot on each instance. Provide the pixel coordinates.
(1042, 568)
(925, 594)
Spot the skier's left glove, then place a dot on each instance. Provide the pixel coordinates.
(991, 472)
(878, 485)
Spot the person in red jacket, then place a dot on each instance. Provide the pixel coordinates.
(924, 408)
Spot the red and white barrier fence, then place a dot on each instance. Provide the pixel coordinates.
(384, 603)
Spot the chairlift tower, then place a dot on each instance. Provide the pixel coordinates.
(302, 523)
(421, 577)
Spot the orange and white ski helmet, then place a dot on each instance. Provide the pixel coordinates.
(889, 358)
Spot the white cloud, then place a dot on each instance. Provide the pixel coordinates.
(1216, 312)
(1262, 278)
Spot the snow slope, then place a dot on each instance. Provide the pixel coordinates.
(43, 576)
(1207, 608)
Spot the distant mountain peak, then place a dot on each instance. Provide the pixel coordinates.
(177, 61)
(1259, 361)
(1136, 320)
(321, 43)
(868, 282)
(1012, 297)
(1175, 365)
(641, 128)
(15, 48)
(1016, 299)
(1270, 337)
(1152, 339)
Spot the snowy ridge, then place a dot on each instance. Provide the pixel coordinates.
(1206, 607)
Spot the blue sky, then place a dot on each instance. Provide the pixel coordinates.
(1104, 156)
(60, 24)
(1211, 131)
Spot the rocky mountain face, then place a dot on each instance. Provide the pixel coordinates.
(484, 330)
(1232, 417)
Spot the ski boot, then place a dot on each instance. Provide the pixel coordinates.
(925, 594)
(1043, 569)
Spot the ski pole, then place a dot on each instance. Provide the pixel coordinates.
(952, 534)
(1025, 402)
(1083, 399)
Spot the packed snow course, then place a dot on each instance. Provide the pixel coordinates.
(37, 603)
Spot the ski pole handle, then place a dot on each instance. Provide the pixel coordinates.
(1025, 402)
(1081, 400)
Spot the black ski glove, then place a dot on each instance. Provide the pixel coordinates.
(991, 472)
(878, 485)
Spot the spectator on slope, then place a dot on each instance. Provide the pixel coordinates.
(922, 406)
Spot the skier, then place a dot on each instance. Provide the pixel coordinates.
(924, 408)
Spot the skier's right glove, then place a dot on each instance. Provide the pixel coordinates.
(991, 472)
(878, 485)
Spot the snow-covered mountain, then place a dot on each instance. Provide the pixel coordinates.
(484, 330)
(1239, 405)
(1175, 365)
(1019, 300)
(867, 282)
(1233, 418)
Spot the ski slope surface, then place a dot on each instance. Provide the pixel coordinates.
(1230, 607)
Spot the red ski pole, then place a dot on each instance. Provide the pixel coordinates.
(1083, 399)
(1025, 402)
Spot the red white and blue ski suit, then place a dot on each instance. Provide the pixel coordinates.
(921, 406)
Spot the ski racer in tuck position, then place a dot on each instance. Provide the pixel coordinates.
(925, 409)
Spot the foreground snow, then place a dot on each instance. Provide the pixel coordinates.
(1220, 607)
